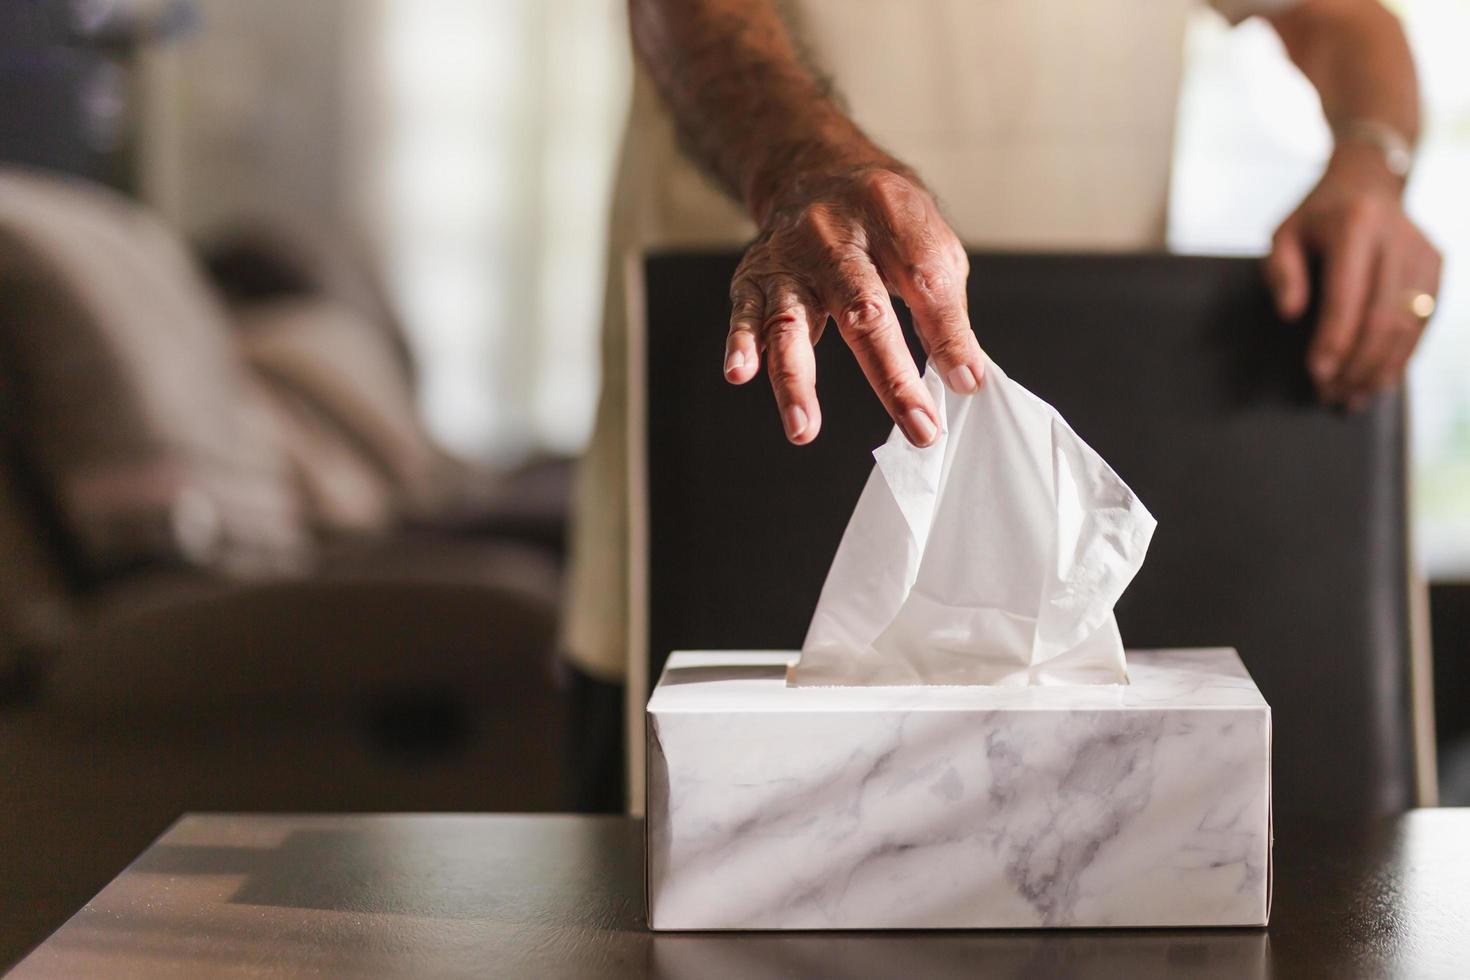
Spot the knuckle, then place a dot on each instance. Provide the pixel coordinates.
(783, 323)
(894, 200)
(849, 263)
(931, 279)
(897, 386)
(1366, 204)
(744, 313)
(952, 348)
(743, 287)
(961, 258)
(745, 296)
(785, 375)
(885, 185)
(862, 317)
(1363, 213)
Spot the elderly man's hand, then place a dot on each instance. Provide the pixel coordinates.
(1377, 270)
(836, 246)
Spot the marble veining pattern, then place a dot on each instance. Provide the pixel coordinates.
(774, 808)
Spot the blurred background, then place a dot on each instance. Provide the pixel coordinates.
(473, 144)
(394, 212)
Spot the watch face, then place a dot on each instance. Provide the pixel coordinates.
(1399, 160)
(1398, 154)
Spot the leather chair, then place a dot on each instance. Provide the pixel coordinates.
(1282, 524)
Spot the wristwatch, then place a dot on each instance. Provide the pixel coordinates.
(1398, 152)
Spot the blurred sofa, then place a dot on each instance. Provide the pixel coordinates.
(235, 570)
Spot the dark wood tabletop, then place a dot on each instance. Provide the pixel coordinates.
(562, 896)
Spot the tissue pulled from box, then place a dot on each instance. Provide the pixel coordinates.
(993, 556)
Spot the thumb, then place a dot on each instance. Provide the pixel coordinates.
(1286, 272)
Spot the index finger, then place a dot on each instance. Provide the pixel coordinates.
(742, 344)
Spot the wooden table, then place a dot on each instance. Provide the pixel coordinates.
(562, 896)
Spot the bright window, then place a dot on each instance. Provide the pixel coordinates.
(500, 126)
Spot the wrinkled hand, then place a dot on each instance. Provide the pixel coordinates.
(1374, 262)
(837, 247)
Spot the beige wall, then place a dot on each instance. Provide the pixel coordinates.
(254, 112)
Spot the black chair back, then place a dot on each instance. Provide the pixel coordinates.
(1281, 524)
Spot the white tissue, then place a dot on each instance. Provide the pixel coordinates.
(994, 556)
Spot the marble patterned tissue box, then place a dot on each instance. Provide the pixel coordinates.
(777, 807)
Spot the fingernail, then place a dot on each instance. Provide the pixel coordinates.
(735, 361)
(1322, 367)
(963, 379)
(795, 421)
(920, 427)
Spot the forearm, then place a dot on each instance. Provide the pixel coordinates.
(841, 223)
(1356, 56)
(746, 109)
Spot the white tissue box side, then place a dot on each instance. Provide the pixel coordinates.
(839, 808)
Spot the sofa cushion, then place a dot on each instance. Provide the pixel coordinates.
(127, 394)
(350, 413)
(260, 261)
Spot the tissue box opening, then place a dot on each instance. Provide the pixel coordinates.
(773, 807)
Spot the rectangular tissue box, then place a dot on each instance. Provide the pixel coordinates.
(777, 807)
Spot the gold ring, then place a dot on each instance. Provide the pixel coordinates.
(1420, 303)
